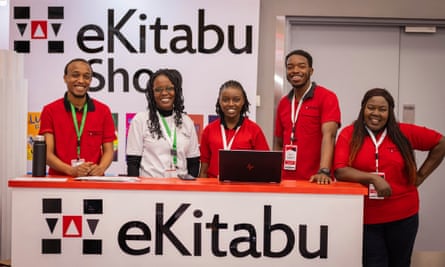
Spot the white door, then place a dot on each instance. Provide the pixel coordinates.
(350, 60)
(422, 80)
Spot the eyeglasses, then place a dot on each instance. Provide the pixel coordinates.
(160, 90)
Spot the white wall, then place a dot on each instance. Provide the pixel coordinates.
(4, 38)
(4, 25)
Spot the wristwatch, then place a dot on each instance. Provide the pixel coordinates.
(325, 171)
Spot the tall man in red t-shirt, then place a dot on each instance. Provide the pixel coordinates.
(79, 131)
(306, 124)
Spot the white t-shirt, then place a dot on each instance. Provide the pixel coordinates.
(156, 155)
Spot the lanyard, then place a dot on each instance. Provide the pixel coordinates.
(377, 143)
(168, 135)
(294, 114)
(76, 126)
(224, 138)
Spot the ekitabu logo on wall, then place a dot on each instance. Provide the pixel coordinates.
(71, 226)
(38, 29)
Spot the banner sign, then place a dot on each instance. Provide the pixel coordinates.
(78, 227)
(209, 42)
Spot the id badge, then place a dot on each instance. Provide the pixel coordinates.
(290, 158)
(77, 162)
(372, 192)
(170, 173)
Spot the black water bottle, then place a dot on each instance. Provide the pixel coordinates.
(39, 156)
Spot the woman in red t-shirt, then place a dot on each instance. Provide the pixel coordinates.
(378, 152)
(232, 130)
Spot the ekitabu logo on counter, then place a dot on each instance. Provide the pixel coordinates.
(151, 237)
(71, 226)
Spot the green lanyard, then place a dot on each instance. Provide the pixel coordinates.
(173, 151)
(76, 126)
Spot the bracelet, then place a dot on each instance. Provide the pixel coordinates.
(324, 171)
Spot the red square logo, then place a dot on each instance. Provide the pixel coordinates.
(72, 226)
(39, 29)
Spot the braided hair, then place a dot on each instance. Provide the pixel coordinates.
(178, 104)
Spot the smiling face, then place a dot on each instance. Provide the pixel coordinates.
(231, 101)
(298, 71)
(376, 113)
(164, 93)
(78, 78)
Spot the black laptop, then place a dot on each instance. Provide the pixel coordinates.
(250, 166)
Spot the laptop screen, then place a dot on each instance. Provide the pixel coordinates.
(250, 166)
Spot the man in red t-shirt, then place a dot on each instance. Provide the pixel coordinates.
(78, 130)
(306, 124)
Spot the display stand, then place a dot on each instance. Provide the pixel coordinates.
(13, 138)
(170, 222)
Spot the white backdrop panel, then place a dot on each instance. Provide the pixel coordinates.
(126, 37)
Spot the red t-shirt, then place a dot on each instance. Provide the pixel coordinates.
(249, 136)
(404, 201)
(320, 105)
(56, 118)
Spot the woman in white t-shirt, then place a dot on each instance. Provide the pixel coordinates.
(162, 141)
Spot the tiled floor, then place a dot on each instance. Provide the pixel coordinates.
(428, 259)
(5, 263)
